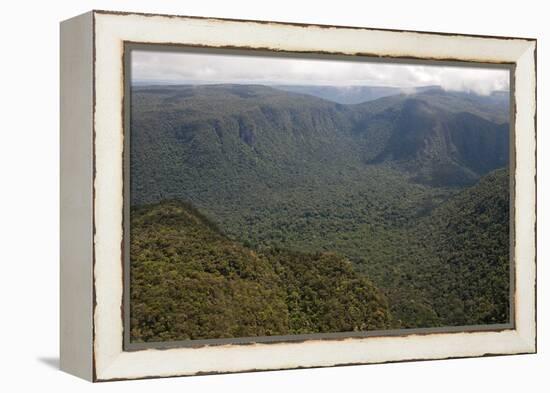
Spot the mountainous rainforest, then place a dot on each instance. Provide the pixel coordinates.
(263, 211)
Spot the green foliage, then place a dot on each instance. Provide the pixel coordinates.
(400, 186)
(325, 294)
(188, 281)
(195, 142)
(452, 266)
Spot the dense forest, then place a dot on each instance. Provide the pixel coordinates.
(189, 281)
(263, 211)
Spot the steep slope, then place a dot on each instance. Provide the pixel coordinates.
(188, 141)
(470, 235)
(451, 267)
(440, 147)
(188, 281)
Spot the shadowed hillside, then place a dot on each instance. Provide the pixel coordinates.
(452, 266)
(442, 148)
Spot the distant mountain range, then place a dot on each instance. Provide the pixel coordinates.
(353, 94)
(345, 94)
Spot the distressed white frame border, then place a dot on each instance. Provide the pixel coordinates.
(112, 29)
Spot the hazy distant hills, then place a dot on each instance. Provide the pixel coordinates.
(360, 94)
(408, 187)
(338, 94)
(343, 94)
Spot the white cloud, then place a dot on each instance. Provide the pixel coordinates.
(192, 67)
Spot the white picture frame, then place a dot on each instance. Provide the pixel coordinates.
(92, 179)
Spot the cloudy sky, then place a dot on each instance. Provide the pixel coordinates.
(198, 68)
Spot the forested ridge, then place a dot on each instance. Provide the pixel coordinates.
(189, 281)
(403, 192)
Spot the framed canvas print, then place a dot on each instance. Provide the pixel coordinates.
(246, 195)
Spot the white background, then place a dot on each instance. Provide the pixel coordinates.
(29, 204)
